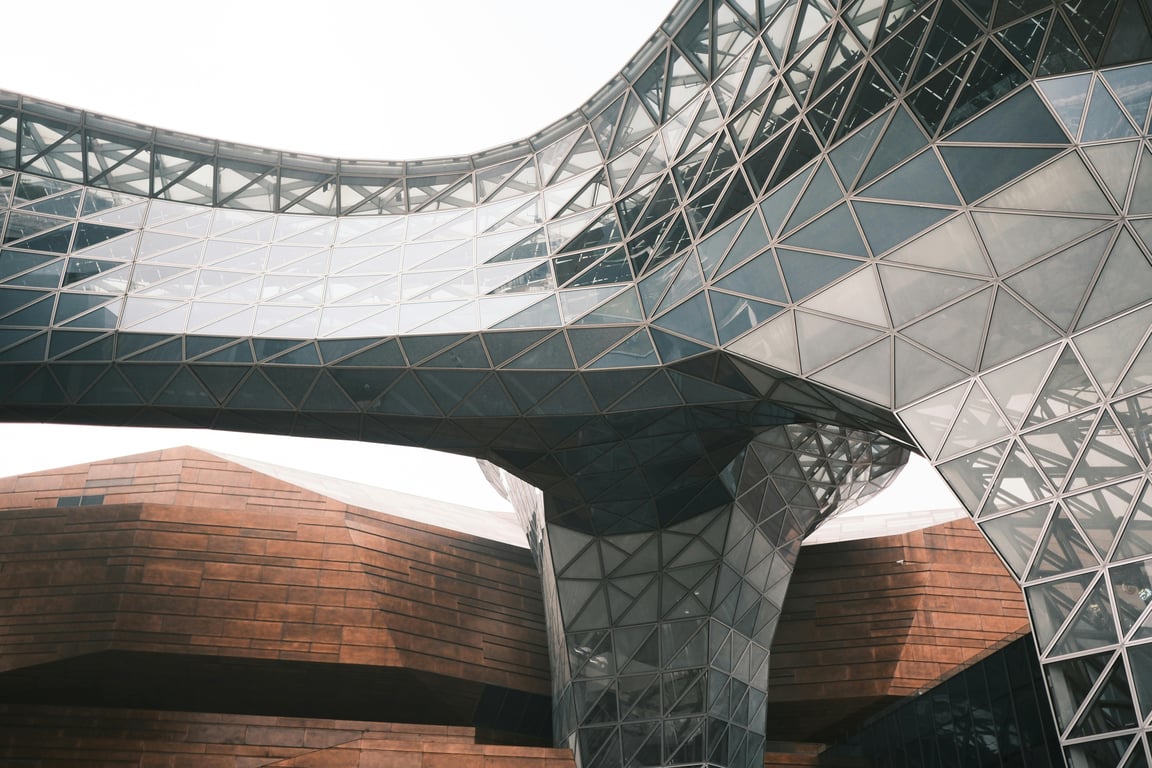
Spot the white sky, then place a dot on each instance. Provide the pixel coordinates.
(386, 80)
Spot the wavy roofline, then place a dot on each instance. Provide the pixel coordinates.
(500, 153)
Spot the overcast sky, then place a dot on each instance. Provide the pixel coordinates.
(386, 80)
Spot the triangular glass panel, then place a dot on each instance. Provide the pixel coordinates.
(1091, 627)
(406, 398)
(1075, 190)
(1107, 457)
(1068, 389)
(773, 344)
(1136, 540)
(1023, 40)
(383, 355)
(528, 388)
(1062, 549)
(1131, 39)
(1140, 373)
(977, 422)
(1111, 708)
(1061, 53)
(855, 298)
(1141, 198)
(902, 139)
(1014, 239)
(469, 354)
(866, 374)
(1105, 120)
(1091, 24)
(956, 332)
(734, 201)
(712, 248)
(849, 157)
(1015, 535)
(1056, 285)
(1014, 386)
(1067, 96)
(185, 390)
(952, 246)
(822, 340)
(991, 75)
(1019, 484)
(1100, 512)
(694, 39)
(552, 354)
(919, 373)
(931, 100)
(759, 278)
(777, 205)
(1140, 662)
(655, 283)
(801, 148)
(1114, 163)
(806, 273)
(363, 385)
(912, 293)
(326, 395)
(545, 313)
(822, 192)
(873, 94)
(1050, 603)
(888, 224)
(1013, 330)
(624, 308)
(613, 268)
(1022, 119)
(1134, 87)
(220, 380)
(565, 545)
(587, 343)
(692, 319)
(650, 87)
(1055, 446)
(979, 170)
(258, 393)
(293, 382)
(1124, 282)
(969, 476)
(920, 180)
(111, 389)
(636, 350)
(689, 280)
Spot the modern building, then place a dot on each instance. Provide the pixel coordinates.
(163, 608)
(791, 242)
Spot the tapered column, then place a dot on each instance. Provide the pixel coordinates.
(661, 638)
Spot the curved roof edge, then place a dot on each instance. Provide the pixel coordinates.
(120, 140)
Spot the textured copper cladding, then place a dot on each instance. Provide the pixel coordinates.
(191, 554)
(200, 584)
(67, 737)
(869, 621)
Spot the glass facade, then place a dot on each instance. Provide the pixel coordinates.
(918, 223)
(660, 638)
(995, 713)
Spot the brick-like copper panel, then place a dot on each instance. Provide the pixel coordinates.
(203, 577)
(191, 554)
(868, 621)
(65, 737)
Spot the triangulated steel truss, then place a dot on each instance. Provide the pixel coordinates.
(898, 222)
